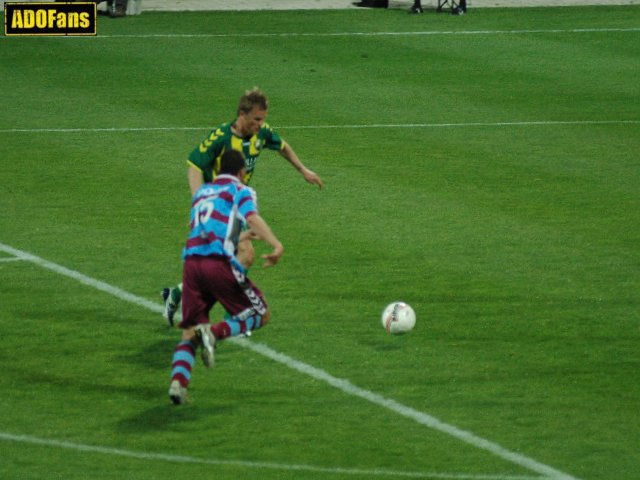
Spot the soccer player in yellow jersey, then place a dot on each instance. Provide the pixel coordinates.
(249, 134)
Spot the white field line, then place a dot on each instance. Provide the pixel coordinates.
(356, 34)
(375, 34)
(542, 123)
(339, 383)
(251, 465)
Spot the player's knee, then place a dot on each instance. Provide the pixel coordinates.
(266, 317)
(189, 334)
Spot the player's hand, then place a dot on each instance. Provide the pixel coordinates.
(312, 177)
(270, 259)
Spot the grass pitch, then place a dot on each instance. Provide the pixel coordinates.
(482, 168)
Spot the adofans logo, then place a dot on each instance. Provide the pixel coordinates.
(64, 18)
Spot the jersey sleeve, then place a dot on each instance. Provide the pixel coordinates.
(272, 139)
(247, 202)
(203, 157)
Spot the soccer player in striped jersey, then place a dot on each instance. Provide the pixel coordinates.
(249, 134)
(212, 272)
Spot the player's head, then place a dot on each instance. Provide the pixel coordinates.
(252, 112)
(232, 163)
(251, 99)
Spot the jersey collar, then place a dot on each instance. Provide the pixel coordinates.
(225, 178)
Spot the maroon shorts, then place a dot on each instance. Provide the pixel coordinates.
(207, 280)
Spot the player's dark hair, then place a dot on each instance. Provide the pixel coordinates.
(231, 162)
(251, 99)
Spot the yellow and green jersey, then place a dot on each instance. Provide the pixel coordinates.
(206, 156)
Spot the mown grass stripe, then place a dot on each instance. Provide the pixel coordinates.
(339, 383)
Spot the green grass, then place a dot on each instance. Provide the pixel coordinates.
(513, 232)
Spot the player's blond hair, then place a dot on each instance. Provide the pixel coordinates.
(251, 99)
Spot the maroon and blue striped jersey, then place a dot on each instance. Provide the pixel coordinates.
(219, 210)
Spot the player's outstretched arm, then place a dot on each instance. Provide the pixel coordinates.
(260, 228)
(195, 179)
(310, 176)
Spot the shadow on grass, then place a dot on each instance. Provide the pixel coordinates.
(155, 355)
(168, 417)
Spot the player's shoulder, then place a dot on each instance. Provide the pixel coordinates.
(205, 191)
(231, 183)
(266, 129)
(221, 131)
(270, 137)
(244, 188)
(213, 143)
(246, 191)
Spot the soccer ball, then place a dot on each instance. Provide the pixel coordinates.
(398, 317)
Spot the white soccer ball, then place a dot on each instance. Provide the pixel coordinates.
(398, 317)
